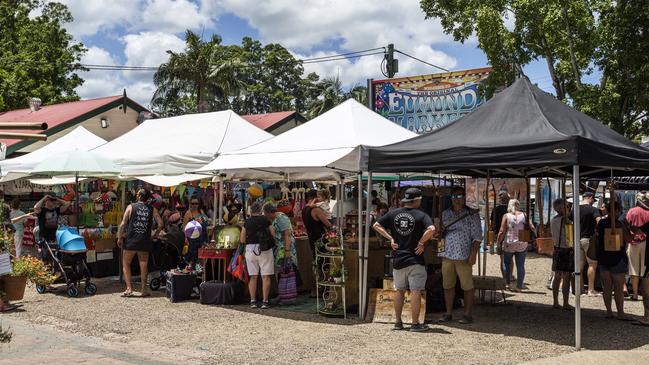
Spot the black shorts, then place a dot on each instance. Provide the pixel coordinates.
(621, 267)
(563, 259)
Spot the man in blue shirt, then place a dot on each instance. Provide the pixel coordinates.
(462, 240)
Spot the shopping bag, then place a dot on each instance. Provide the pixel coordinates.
(287, 284)
(237, 265)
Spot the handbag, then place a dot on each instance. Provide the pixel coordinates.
(287, 285)
(237, 266)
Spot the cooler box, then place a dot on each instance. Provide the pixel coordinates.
(179, 286)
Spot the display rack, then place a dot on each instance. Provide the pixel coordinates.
(329, 286)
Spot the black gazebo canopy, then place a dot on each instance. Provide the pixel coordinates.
(522, 131)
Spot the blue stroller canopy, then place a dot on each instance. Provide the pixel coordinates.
(70, 241)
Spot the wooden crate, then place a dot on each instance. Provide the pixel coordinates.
(381, 307)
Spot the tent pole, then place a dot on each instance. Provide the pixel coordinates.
(220, 199)
(215, 206)
(361, 262)
(477, 200)
(76, 198)
(576, 236)
(121, 250)
(486, 229)
(366, 245)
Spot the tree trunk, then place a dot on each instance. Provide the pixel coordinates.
(549, 59)
(571, 48)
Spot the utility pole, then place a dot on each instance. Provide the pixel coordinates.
(392, 65)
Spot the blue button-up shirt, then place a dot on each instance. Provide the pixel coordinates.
(461, 235)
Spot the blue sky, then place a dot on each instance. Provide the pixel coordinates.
(138, 32)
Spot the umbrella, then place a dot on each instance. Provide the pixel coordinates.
(76, 164)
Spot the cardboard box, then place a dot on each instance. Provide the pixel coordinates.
(104, 244)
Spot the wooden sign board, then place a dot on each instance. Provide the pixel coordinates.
(381, 307)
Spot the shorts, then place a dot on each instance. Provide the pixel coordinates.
(636, 254)
(451, 269)
(412, 277)
(584, 243)
(259, 262)
(620, 268)
(563, 259)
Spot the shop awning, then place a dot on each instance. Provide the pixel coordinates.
(176, 145)
(324, 147)
(78, 139)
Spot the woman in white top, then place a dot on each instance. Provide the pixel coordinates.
(510, 245)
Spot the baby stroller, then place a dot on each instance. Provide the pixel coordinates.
(68, 259)
(166, 255)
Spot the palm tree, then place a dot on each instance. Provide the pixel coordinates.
(359, 93)
(331, 94)
(198, 79)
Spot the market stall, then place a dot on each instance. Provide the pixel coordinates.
(521, 132)
(328, 147)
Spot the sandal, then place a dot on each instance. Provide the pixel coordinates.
(127, 294)
(466, 320)
(445, 318)
(8, 308)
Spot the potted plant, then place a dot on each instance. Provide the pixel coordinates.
(336, 274)
(23, 269)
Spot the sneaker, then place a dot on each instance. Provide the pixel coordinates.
(253, 304)
(419, 327)
(445, 318)
(265, 305)
(593, 293)
(398, 326)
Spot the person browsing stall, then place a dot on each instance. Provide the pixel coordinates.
(637, 219)
(258, 261)
(408, 229)
(588, 218)
(281, 223)
(510, 246)
(563, 263)
(463, 235)
(48, 210)
(138, 223)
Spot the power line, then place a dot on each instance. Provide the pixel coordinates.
(343, 54)
(422, 61)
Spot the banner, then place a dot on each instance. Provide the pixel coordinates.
(425, 103)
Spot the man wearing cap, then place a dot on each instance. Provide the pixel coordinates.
(588, 218)
(408, 230)
(462, 235)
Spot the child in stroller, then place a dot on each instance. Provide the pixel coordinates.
(167, 252)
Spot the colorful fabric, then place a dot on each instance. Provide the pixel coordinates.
(281, 224)
(287, 285)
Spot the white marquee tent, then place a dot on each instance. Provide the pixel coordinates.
(163, 150)
(78, 139)
(322, 148)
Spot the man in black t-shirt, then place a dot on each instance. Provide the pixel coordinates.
(588, 218)
(408, 230)
(48, 210)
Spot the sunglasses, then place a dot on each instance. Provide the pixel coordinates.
(196, 203)
(457, 196)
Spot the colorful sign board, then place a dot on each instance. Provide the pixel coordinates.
(425, 103)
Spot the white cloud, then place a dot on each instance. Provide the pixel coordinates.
(91, 17)
(175, 16)
(99, 83)
(148, 49)
(360, 23)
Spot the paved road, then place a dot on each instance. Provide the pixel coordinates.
(37, 344)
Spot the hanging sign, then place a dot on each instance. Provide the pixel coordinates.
(428, 102)
(23, 187)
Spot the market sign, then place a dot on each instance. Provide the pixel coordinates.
(24, 187)
(425, 103)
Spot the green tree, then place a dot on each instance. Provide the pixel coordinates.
(38, 57)
(575, 38)
(274, 80)
(331, 94)
(359, 93)
(202, 78)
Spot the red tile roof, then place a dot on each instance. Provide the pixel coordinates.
(268, 120)
(53, 115)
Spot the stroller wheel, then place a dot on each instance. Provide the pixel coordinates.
(73, 292)
(91, 289)
(154, 284)
(40, 289)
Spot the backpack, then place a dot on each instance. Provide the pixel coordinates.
(265, 239)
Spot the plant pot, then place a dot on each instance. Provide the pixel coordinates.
(14, 287)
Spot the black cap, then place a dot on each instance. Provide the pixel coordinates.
(411, 194)
(588, 194)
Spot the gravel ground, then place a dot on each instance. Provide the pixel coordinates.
(525, 329)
